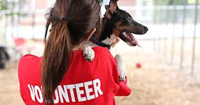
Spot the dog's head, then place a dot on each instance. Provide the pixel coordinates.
(123, 24)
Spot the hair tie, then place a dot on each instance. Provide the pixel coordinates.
(63, 18)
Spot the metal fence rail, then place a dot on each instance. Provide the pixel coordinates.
(180, 15)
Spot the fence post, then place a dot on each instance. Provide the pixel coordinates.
(167, 21)
(173, 37)
(33, 12)
(194, 37)
(156, 22)
(183, 34)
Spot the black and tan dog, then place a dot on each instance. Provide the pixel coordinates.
(117, 24)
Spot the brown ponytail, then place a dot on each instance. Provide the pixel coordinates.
(56, 58)
(71, 22)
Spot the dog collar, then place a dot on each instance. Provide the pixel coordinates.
(103, 45)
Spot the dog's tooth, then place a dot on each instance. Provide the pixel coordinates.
(125, 34)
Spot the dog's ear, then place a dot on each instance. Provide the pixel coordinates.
(106, 6)
(113, 6)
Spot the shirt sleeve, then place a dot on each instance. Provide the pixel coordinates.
(24, 71)
(21, 74)
(124, 90)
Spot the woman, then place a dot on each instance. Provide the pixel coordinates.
(62, 75)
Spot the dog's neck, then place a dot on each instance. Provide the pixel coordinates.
(107, 37)
(111, 40)
(108, 42)
(107, 29)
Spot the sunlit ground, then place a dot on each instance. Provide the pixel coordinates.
(157, 83)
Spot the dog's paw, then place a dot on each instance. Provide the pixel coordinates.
(88, 53)
(121, 68)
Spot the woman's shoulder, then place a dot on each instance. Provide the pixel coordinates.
(29, 61)
(104, 53)
(101, 51)
(28, 57)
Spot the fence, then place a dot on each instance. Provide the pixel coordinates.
(182, 15)
(175, 31)
(173, 28)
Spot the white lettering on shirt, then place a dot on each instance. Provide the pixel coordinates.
(56, 98)
(71, 87)
(63, 94)
(88, 90)
(84, 91)
(32, 91)
(97, 87)
(80, 92)
(38, 94)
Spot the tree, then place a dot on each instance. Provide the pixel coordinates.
(3, 5)
(169, 2)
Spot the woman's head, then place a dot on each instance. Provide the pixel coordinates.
(71, 22)
(81, 16)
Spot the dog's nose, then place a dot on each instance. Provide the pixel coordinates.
(146, 29)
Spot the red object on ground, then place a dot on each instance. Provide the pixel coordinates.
(19, 41)
(138, 65)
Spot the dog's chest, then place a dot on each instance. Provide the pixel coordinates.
(110, 40)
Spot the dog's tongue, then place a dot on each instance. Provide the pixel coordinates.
(133, 41)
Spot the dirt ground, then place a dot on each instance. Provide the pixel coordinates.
(156, 83)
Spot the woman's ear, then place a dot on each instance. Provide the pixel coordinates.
(91, 33)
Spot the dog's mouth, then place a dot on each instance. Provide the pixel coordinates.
(128, 38)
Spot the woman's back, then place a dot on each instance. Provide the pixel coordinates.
(62, 75)
(85, 83)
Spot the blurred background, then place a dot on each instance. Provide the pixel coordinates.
(165, 71)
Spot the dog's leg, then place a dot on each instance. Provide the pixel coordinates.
(121, 68)
(88, 52)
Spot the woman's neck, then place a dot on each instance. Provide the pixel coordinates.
(77, 47)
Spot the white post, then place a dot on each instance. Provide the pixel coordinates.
(33, 11)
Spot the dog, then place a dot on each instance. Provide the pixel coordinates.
(117, 24)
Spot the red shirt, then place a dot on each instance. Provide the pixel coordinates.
(85, 83)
